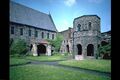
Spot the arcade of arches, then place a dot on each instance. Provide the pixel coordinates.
(90, 49)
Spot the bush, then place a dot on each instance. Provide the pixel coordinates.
(105, 51)
(56, 43)
(56, 54)
(18, 48)
(66, 53)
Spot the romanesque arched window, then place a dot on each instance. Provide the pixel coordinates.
(42, 35)
(78, 27)
(89, 25)
(21, 31)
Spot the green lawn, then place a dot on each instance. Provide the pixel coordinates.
(45, 72)
(93, 64)
(47, 58)
(17, 60)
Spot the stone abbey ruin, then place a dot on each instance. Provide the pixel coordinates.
(35, 27)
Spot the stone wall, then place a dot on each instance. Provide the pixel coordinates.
(87, 34)
(31, 39)
(67, 41)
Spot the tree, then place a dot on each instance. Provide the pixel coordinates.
(56, 43)
(105, 51)
(18, 47)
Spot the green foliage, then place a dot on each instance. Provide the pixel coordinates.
(66, 54)
(18, 47)
(10, 42)
(56, 53)
(106, 49)
(56, 43)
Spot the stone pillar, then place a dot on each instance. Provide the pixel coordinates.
(34, 50)
(79, 57)
(75, 50)
(84, 52)
(49, 50)
(95, 50)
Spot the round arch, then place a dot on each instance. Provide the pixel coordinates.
(67, 47)
(90, 50)
(41, 49)
(79, 47)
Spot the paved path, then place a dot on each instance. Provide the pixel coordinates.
(55, 63)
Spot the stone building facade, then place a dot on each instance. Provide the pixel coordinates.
(85, 37)
(66, 46)
(32, 26)
(105, 38)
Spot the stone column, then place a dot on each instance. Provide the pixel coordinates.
(48, 50)
(34, 50)
(84, 51)
(95, 50)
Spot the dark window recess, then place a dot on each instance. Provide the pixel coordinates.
(89, 24)
(12, 30)
(47, 35)
(52, 36)
(29, 32)
(79, 27)
(21, 31)
(42, 34)
(36, 33)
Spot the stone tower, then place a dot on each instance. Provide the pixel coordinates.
(86, 36)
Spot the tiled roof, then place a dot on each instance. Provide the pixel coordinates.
(28, 16)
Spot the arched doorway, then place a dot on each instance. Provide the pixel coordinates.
(41, 49)
(67, 47)
(90, 50)
(79, 47)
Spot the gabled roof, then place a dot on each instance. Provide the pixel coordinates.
(28, 16)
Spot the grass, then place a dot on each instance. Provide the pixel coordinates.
(47, 58)
(17, 60)
(92, 64)
(45, 72)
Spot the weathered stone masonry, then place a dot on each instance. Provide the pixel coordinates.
(86, 36)
(32, 26)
